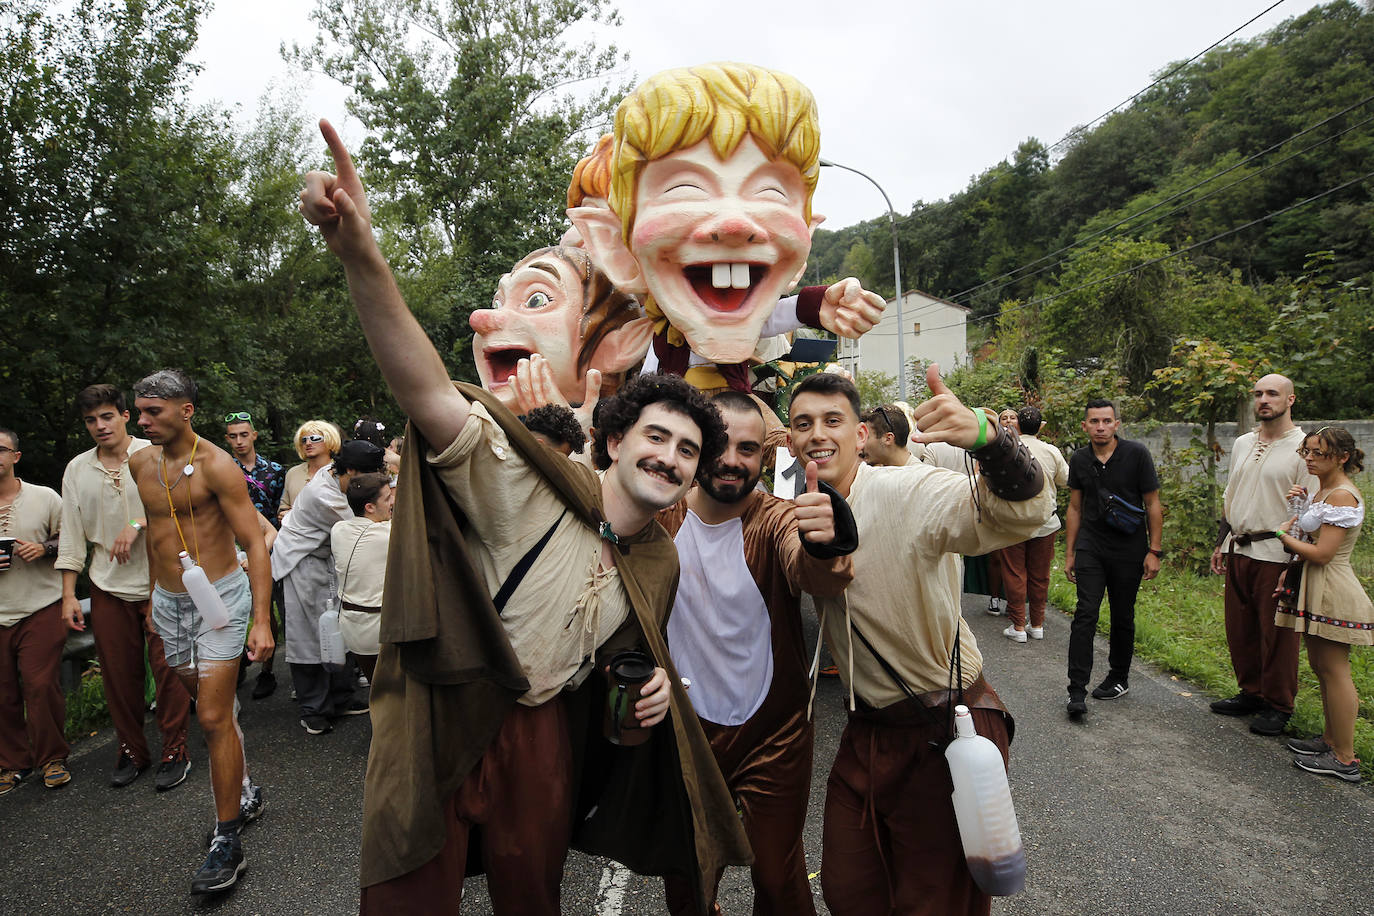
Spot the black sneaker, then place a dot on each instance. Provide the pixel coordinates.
(1308, 746)
(1077, 708)
(171, 772)
(126, 771)
(1242, 704)
(223, 865)
(265, 685)
(1110, 689)
(250, 808)
(354, 707)
(994, 609)
(1327, 764)
(1269, 723)
(316, 725)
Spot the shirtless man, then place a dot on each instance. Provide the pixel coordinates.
(196, 502)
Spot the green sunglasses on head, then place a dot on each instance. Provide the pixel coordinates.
(241, 416)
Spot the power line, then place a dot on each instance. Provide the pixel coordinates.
(1165, 257)
(1009, 275)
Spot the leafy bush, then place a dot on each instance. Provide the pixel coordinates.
(1191, 497)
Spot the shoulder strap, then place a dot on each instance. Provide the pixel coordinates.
(521, 568)
(891, 672)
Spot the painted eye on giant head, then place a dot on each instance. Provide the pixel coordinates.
(537, 300)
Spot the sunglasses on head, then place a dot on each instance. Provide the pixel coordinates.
(241, 416)
(313, 437)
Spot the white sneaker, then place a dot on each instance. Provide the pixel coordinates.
(1036, 632)
(1014, 634)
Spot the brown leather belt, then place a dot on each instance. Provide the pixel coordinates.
(350, 606)
(1250, 537)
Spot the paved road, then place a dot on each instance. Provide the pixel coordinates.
(1152, 806)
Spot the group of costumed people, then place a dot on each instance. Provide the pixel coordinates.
(517, 578)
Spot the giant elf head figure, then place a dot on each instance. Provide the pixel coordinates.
(712, 174)
(555, 302)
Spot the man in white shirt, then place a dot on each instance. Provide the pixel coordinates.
(1264, 467)
(101, 508)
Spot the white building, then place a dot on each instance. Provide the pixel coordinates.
(935, 330)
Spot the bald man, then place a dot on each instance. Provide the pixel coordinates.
(1264, 466)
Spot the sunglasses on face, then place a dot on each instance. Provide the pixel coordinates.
(314, 437)
(1306, 452)
(241, 416)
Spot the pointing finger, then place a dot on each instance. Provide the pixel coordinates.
(343, 162)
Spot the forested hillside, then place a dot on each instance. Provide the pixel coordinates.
(1230, 202)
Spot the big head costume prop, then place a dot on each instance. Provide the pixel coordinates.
(709, 218)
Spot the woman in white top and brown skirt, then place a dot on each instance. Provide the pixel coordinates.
(1330, 606)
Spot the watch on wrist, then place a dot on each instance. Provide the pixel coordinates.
(1158, 553)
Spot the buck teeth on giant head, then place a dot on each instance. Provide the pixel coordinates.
(725, 275)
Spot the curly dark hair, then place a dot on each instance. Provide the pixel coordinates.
(616, 415)
(558, 424)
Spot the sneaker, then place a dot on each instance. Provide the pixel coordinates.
(1327, 764)
(1269, 723)
(1308, 746)
(126, 771)
(250, 807)
(1077, 708)
(55, 774)
(223, 865)
(354, 707)
(1014, 634)
(172, 771)
(994, 608)
(1035, 632)
(362, 682)
(265, 685)
(10, 779)
(1242, 704)
(1110, 689)
(316, 725)
(829, 671)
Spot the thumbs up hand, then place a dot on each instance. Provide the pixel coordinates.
(815, 515)
(943, 418)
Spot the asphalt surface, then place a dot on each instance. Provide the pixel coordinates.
(1152, 805)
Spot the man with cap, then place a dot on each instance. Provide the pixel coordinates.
(301, 562)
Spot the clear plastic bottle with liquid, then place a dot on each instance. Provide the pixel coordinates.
(983, 808)
(332, 648)
(211, 606)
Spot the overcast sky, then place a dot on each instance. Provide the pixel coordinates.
(920, 94)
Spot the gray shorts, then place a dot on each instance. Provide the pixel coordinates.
(184, 635)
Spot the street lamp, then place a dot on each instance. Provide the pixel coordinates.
(896, 273)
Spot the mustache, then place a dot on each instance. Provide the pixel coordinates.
(648, 464)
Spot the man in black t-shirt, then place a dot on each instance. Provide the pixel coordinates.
(1104, 553)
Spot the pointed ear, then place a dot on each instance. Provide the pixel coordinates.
(600, 231)
(623, 347)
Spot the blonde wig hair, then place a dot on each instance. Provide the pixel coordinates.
(722, 102)
(333, 439)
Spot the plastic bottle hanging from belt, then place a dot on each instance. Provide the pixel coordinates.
(211, 606)
(332, 649)
(983, 808)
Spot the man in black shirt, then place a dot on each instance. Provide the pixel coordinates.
(1115, 530)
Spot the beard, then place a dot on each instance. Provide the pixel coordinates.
(730, 492)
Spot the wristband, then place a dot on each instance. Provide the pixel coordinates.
(133, 523)
(1279, 533)
(982, 430)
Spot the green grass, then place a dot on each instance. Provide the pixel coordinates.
(1179, 626)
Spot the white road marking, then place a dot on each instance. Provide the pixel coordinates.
(611, 893)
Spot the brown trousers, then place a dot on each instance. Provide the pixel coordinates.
(520, 796)
(33, 710)
(1265, 656)
(122, 631)
(1026, 576)
(891, 844)
(767, 767)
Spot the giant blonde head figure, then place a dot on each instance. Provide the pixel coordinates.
(712, 175)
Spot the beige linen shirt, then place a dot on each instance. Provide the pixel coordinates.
(27, 587)
(96, 508)
(913, 521)
(564, 608)
(359, 546)
(1053, 463)
(1257, 488)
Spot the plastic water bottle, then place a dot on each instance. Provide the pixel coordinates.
(983, 808)
(211, 606)
(332, 649)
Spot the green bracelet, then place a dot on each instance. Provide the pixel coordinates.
(1279, 533)
(982, 430)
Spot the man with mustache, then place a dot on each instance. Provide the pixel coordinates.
(1264, 467)
(736, 635)
(513, 577)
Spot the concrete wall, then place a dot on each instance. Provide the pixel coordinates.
(1179, 435)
